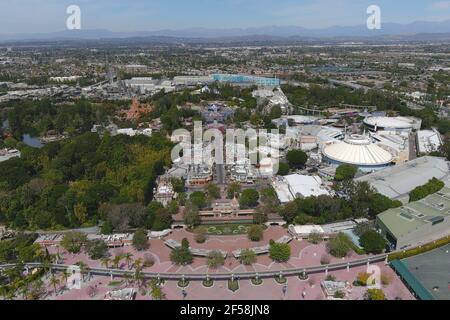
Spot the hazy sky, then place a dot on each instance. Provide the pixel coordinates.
(31, 16)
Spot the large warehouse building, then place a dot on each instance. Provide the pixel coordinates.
(357, 150)
(397, 182)
(296, 186)
(417, 223)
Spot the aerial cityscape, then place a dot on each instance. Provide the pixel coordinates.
(282, 155)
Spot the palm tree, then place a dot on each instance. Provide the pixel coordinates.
(37, 290)
(54, 282)
(46, 266)
(137, 264)
(105, 262)
(116, 261)
(83, 269)
(127, 277)
(129, 259)
(65, 276)
(139, 277)
(156, 291)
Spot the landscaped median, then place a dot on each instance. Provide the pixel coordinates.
(419, 250)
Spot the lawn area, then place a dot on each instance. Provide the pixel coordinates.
(224, 229)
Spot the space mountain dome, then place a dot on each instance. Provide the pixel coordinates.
(357, 150)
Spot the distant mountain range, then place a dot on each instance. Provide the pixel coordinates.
(359, 31)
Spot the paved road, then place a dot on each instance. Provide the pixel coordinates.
(90, 230)
(412, 146)
(220, 174)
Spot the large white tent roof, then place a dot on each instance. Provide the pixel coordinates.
(357, 150)
(390, 122)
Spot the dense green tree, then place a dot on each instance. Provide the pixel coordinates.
(249, 198)
(140, 240)
(339, 245)
(345, 172)
(296, 158)
(279, 252)
(380, 203)
(73, 241)
(213, 191)
(198, 198)
(444, 126)
(233, 190)
(372, 242)
(283, 169)
(96, 249)
(261, 215)
(255, 232)
(191, 215)
(163, 220)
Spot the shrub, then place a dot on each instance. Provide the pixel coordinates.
(374, 294)
(215, 259)
(433, 186)
(200, 236)
(257, 281)
(339, 247)
(233, 285)
(183, 283)
(185, 243)
(280, 252)
(281, 280)
(255, 232)
(362, 279)
(330, 277)
(420, 250)
(325, 259)
(208, 283)
(339, 294)
(181, 256)
(315, 237)
(247, 257)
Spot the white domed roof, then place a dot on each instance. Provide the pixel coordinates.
(390, 122)
(357, 150)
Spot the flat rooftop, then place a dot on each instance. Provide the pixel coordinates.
(396, 182)
(412, 216)
(431, 269)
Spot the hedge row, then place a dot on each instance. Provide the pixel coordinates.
(419, 250)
